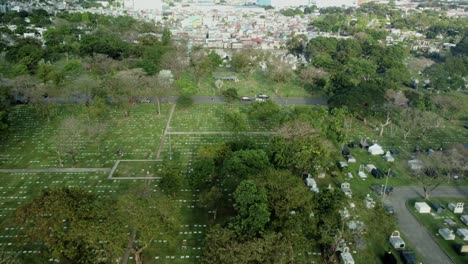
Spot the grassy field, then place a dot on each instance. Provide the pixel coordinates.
(432, 222)
(253, 84)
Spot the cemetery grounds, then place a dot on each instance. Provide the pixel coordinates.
(28, 153)
(433, 221)
(140, 137)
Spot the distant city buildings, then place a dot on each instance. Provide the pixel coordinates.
(284, 3)
(338, 3)
(145, 9)
(144, 5)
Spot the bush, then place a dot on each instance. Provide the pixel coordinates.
(230, 95)
(184, 101)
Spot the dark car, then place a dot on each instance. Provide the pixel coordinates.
(408, 257)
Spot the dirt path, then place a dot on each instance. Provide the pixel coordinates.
(163, 137)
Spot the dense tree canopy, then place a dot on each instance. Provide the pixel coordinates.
(74, 226)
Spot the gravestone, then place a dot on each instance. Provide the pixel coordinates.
(396, 241)
(446, 234)
(346, 188)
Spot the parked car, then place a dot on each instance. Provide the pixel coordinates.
(246, 99)
(259, 100)
(263, 96)
(145, 100)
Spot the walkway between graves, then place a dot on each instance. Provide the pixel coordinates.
(168, 127)
(417, 235)
(55, 170)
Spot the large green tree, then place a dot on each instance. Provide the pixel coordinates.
(243, 163)
(365, 100)
(27, 52)
(252, 210)
(73, 225)
(146, 217)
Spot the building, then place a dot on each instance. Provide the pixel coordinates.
(283, 3)
(337, 3)
(143, 5)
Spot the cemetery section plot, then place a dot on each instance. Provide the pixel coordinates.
(440, 220)
(186, 146)
(211, 117)
(34, 142)
(444, 135)
(136, 169)
(18, 188)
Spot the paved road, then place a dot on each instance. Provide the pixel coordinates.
(55, 170)
(303, 101)
(217, 99)
(418, 236)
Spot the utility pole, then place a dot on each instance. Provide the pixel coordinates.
(385, 187)
(170, 144)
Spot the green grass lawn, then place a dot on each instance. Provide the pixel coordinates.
(253, 84)
(210, 117)
(32, 138)
(131, 168)
(432, 222)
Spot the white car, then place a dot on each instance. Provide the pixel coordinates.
(245, 98)
(263, 96)
(259, 100)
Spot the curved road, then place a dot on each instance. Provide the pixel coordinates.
(417, 235)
